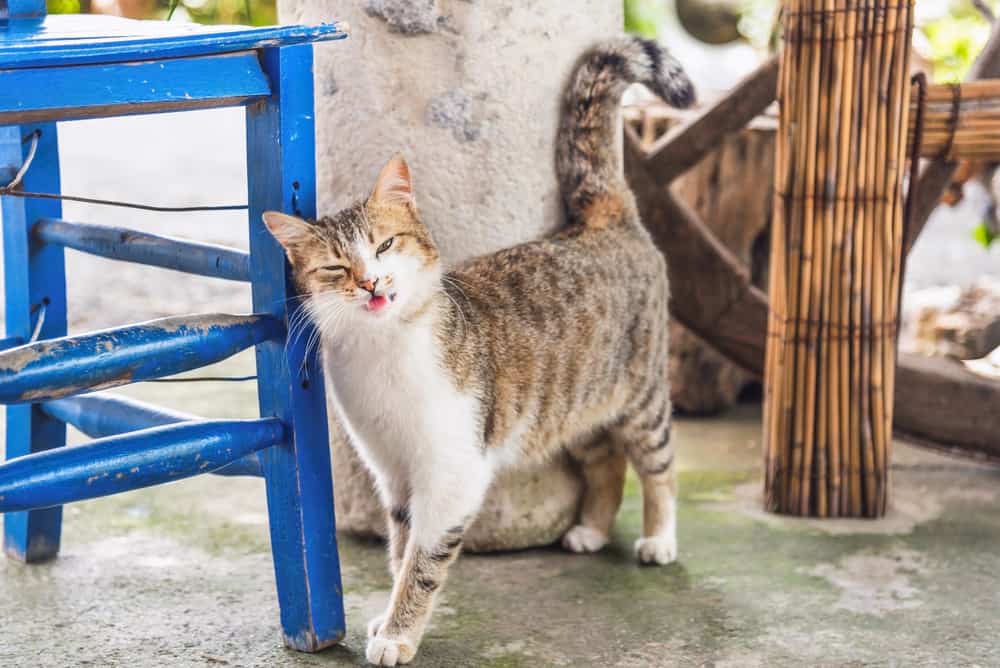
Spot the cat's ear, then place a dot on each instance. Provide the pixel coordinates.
(294, 234)
(394, 184)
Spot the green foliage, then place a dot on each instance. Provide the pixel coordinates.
(62, 6)
(250, 12)
(955, 38)
(643, 17)
(984, 234)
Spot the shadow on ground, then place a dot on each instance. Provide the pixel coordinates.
(181, 575)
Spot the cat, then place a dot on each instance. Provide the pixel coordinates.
(441, 379)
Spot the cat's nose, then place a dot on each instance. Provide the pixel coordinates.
(369, 284)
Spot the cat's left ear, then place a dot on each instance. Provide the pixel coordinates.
(394, 185)
(294, 234)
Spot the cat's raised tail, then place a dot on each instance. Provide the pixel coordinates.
(587, 158)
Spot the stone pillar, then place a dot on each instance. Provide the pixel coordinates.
(468, 91)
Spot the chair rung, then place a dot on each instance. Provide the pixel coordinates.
(100, 415)
(71, 365)
(130, 246)
(130, 461)
(10, 342)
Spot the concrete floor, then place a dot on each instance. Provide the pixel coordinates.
(180, 575)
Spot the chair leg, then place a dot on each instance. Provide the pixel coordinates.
(35, 290)
(281, 176)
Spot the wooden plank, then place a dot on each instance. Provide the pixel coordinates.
(100, 415)
(719, 305)
(941, 403)
(685, 144)
(34, 290)
(281, 164)
(75, 364)
(148, 86)
(937, 174)
(127, 245)
(11, 342)
(935, 403)
(131, 461)
(71, 39)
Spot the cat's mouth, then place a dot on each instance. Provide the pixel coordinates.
(377, 303)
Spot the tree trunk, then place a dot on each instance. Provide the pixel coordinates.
(469, 92)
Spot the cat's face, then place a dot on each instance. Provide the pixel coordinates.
(370, 263)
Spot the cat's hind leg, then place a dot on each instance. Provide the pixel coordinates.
(645, 435)
(603, 465)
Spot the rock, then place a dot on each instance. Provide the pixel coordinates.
(967, 328)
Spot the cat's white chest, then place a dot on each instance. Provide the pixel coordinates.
(397, 400)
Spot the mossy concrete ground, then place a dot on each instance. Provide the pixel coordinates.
(180, 575)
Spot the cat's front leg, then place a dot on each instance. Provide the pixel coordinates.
(396, 500)
(438, 519)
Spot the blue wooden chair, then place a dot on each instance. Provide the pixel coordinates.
(58, 68)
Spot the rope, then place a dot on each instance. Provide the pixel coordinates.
(10, 190)
(41, 308)
(956, 112)
(204, 379)
(920, 81)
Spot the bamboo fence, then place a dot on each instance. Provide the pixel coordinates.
(835, 256)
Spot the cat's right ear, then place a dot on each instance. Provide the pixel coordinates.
(294, 234)
(394, 185)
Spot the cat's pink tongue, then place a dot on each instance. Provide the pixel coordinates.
(377, 303)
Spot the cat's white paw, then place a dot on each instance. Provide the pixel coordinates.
(584, 539)
(375, 625)
(383, 651)
(656, 549)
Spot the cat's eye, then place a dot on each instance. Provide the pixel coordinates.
(334, 267)
(386, 245)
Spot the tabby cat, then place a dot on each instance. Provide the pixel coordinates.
(441, 379)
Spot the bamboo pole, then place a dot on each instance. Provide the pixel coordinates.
(836, 239)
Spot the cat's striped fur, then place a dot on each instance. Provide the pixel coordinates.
(442, 379)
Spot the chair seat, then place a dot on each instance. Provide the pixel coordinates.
(101, 66)
(72, 39)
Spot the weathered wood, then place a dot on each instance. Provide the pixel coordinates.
(730, 191)
(104, 90)
(70, 39)
(711, 292)
(282, 176)
(713, 297)
(65, 366)
(101, 415)
(131, 461)
(937, 175)
(942, 404)
(682, 147)
(34, 278)
(130, 246)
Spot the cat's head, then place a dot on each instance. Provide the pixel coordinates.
(371, 262)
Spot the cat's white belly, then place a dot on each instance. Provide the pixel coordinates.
(417, 433)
